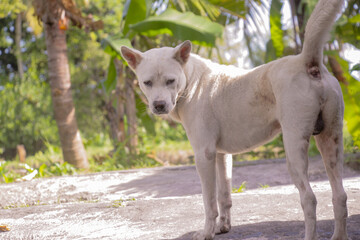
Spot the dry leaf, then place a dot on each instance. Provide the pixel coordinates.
(337, 70)
(4, 228)
(63, 24)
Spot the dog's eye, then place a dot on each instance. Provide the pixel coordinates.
(170, 81)
(148, 83)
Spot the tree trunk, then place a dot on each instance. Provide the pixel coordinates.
(17, 45)
(130, 111)
(64, 110)
(115, 116)
(295, 27)
(120, 99)
(300, 14)
(111, 116)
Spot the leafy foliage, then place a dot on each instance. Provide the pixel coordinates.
(276, 27)
(141, 7)
(144, 117)
(348, 31)
(356, 67)
(112, 47)
(351, 91)
(88, 66)
(236, 8)
(183, 26)
(15, 171)
(61, 8)
(11, 7)
(22, 102)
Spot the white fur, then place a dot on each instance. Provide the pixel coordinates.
(226, 110)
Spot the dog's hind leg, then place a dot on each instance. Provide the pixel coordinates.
(296, 148)
(223, 186)
(330, 144)
(331, 149)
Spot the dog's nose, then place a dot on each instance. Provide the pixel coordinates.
(159, 106)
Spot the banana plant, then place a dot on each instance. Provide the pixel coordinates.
(348, 31)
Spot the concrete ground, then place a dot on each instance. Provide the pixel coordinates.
(166, 203)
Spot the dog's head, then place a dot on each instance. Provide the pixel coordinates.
(160, 72)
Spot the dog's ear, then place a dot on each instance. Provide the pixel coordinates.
(182, 52)
(133, 57)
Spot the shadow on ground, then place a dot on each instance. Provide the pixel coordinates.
(163, 182)
(289, 230)
(184, 181)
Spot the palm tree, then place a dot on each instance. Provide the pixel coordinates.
(54, 14)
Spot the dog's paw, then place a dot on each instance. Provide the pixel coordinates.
(201, 235)
(340, 237)
(222, 227)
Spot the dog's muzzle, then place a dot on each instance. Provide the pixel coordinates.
(159, 107)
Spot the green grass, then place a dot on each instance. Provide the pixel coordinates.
(240, 189)
(101, 155)
(121, 202)
(23, 205)
(264, 186)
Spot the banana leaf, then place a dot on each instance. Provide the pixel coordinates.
(135, 11)
(276, 27)
(183, 26)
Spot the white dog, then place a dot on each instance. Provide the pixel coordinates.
(226, 111)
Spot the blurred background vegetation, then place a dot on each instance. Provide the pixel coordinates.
(116, 128)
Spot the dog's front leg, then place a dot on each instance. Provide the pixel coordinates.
(205, 165)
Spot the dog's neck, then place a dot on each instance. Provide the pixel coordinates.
(194, 71)
(199, 72)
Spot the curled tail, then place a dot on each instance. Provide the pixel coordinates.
(317, 32)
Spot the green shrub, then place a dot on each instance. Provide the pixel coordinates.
(26, 116)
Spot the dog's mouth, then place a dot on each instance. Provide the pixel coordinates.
(159, 111)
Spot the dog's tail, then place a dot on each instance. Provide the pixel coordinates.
(317, 30)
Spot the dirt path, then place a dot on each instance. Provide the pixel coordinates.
(165, 203)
